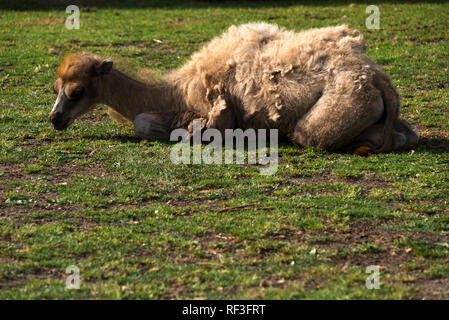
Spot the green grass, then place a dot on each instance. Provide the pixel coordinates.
(138, 226)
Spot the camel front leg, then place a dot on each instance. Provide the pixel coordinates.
(151, 126)
(221, 116)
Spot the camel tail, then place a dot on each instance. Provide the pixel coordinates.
(391, 101)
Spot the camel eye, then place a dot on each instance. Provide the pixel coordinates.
(77, 92)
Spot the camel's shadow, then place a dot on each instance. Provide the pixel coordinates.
(435, 144)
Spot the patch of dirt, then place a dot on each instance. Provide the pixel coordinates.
(40, 202)
(365, 182)
(89, 9)
(388, 256)
(8, 283)
(61, 174)
(433, 140)
(421, 42)
(364, 231)
(41, 21)
(432, 289)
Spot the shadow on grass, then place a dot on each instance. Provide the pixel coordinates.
(434, 144)
(117, 137)
(178, 4)
(426, 144)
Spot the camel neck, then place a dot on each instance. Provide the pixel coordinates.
(131, 97)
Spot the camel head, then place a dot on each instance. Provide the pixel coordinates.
(78, 87)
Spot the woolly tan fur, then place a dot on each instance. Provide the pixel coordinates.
(317, 87)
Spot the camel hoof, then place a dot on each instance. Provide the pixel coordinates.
(142, 126)
(363, 151)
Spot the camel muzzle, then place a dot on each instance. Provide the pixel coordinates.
(58, 121)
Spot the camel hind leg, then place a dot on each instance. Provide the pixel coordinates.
(341, 114)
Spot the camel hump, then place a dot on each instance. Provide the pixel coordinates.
(256, 32)
(260, 60)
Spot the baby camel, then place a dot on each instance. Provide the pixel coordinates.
(317, 87)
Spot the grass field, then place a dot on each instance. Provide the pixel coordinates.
(138, 226)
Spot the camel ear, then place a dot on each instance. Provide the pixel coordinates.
(104, 67)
